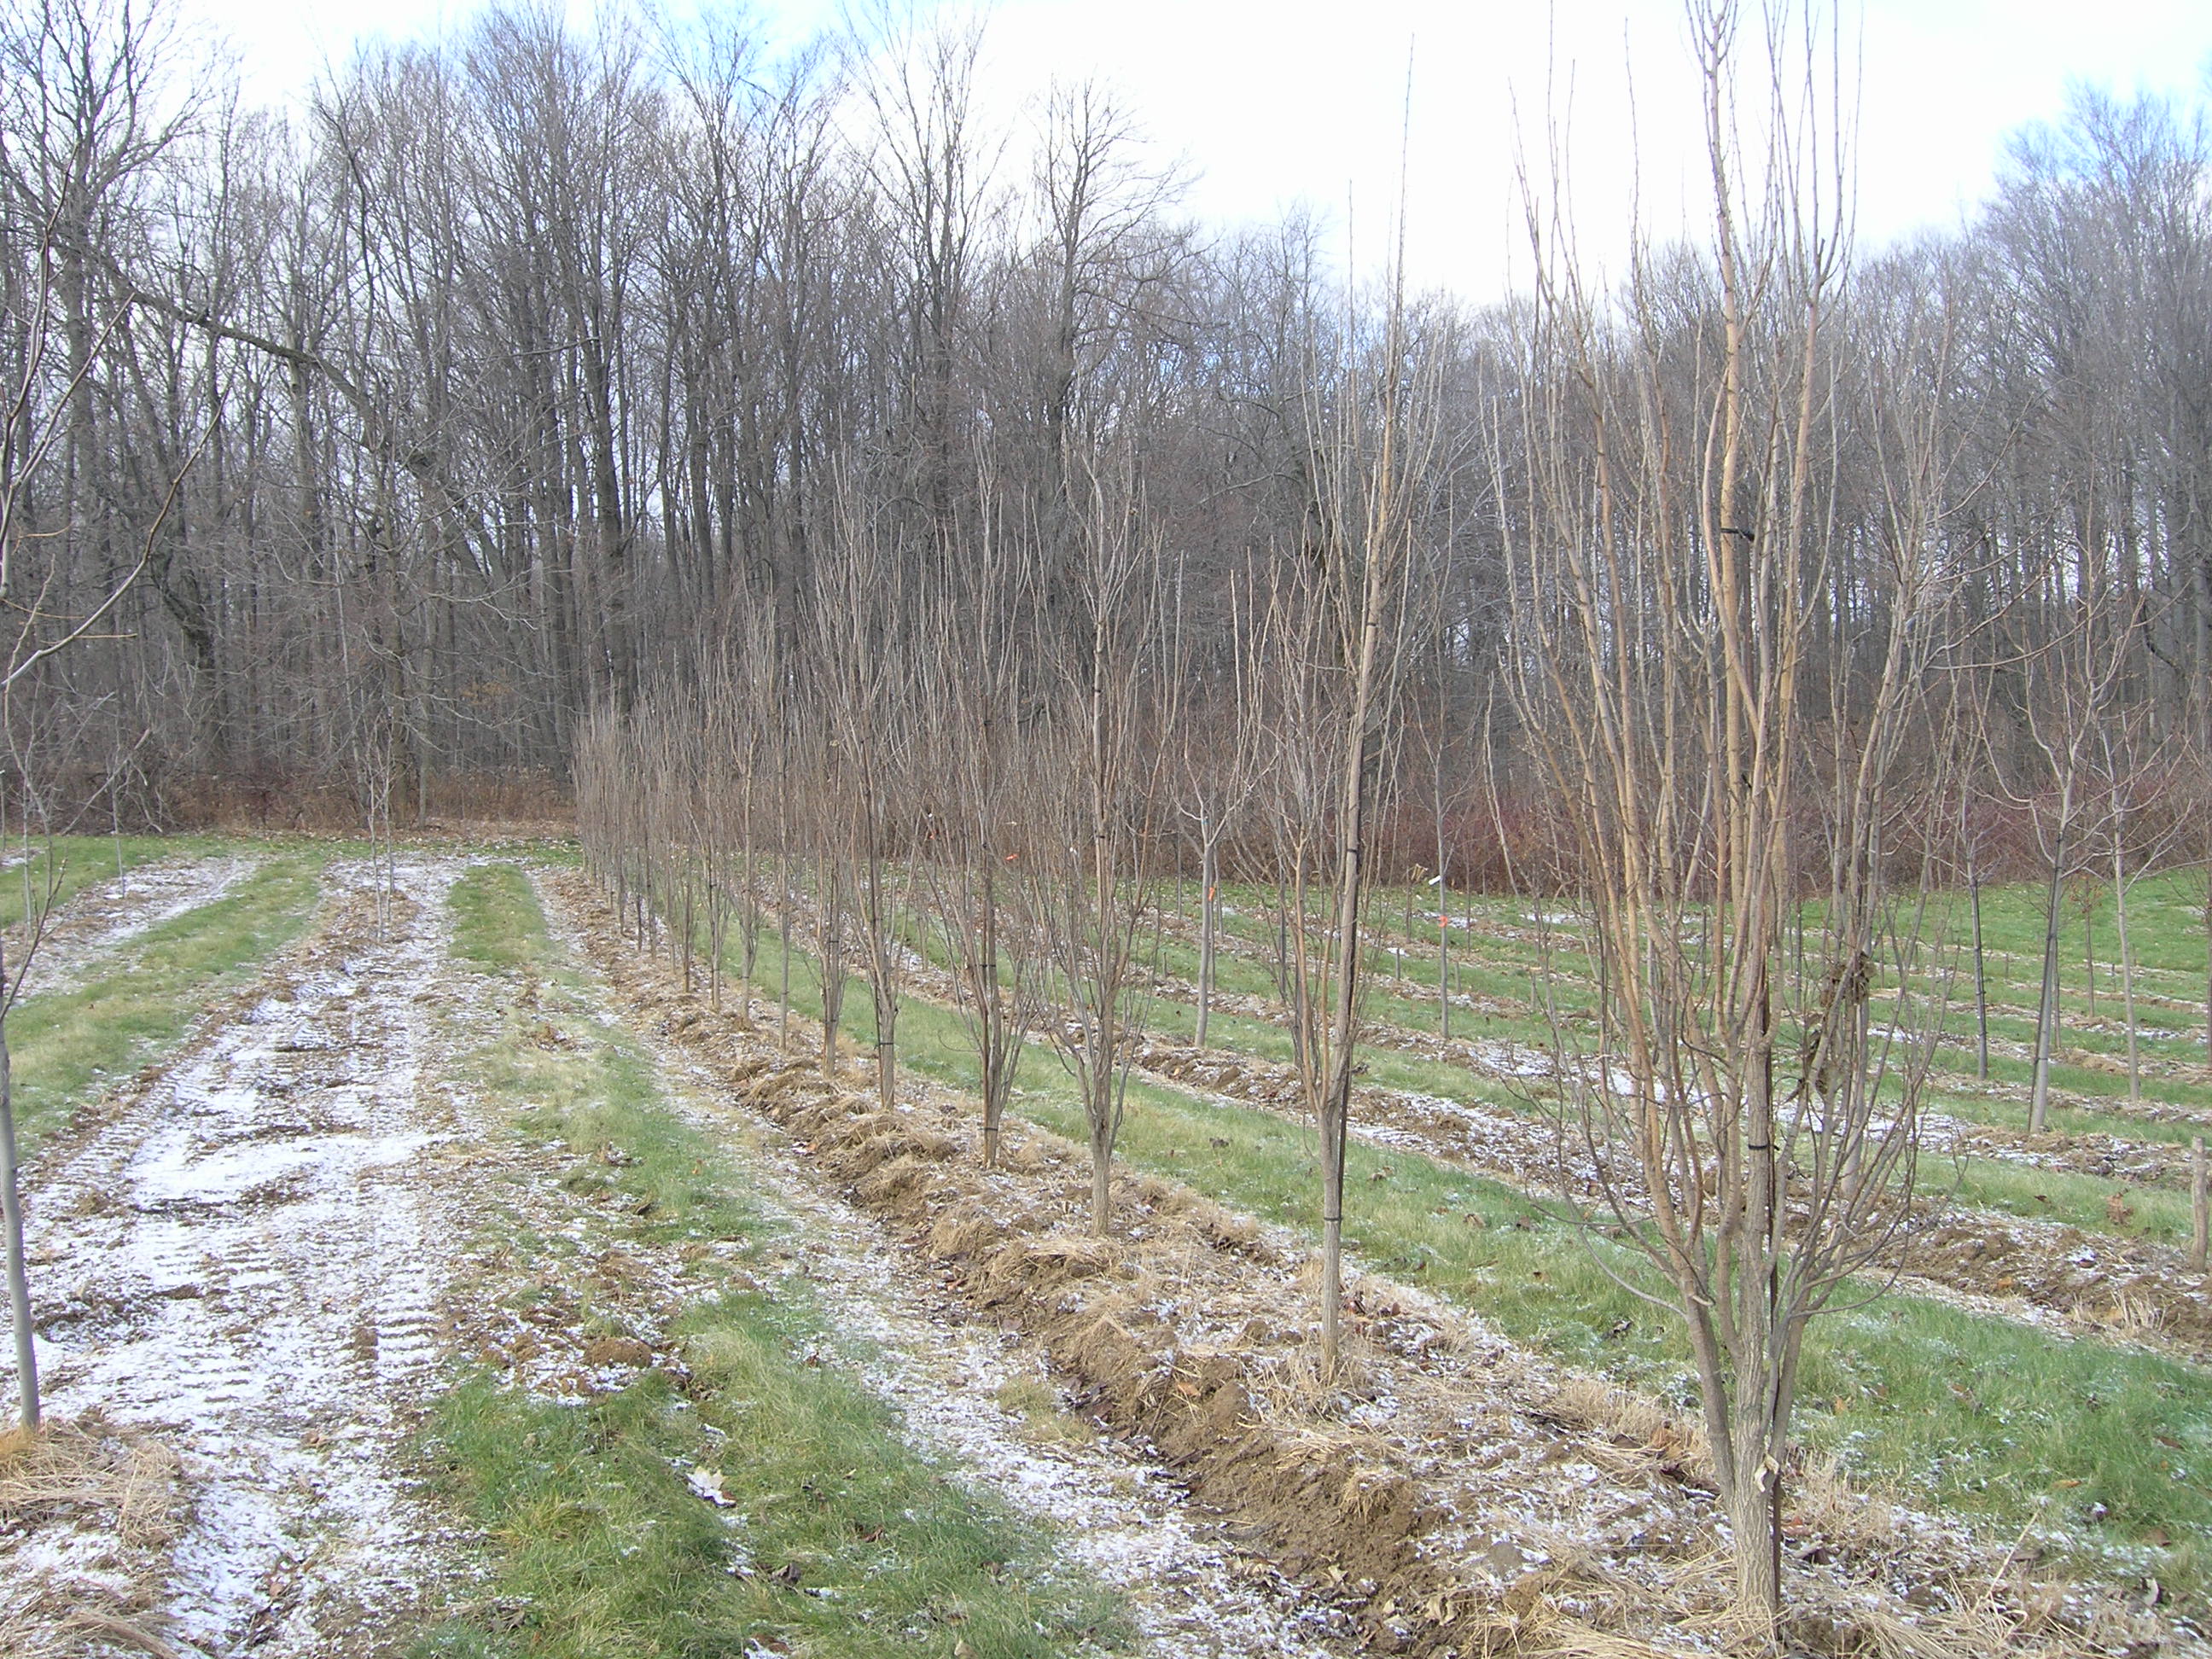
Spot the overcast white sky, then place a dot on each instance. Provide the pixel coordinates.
(1299, 99)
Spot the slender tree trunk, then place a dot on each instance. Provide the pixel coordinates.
(1344, 1022)
(2208, 960)
(1102, 1169)
(2200, 1206)
(992, 1014)
(2046, 1012)
(11, 1221)
(1103, 1135)
(2127, 972)
(1981, 979)
(1209, 876)
(1443, 973)
(1283, 939)
(1443, 931)
(882, 949)
(2089, 945)
(783, 976)
(1105, 1122)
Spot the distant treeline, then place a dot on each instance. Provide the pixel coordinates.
(520, 374)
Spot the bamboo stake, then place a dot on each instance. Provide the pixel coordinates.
(2200, 1206)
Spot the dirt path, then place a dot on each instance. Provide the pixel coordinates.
(242, 1263)
(100, 920)
(247, 1282)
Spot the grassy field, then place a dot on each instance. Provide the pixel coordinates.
(1495, 958)
(2100, 1449)
(1498, 959)
(842, 1543)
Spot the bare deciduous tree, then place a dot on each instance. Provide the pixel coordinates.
(1673, 526)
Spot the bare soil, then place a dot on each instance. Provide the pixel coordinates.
(240, 1260)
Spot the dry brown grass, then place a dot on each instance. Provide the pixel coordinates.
(92, 1468)
(114, 1487)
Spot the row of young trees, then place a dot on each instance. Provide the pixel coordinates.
(911, 526)
(1766, 613)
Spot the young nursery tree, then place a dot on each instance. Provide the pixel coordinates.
(1093, 804)
(80, 137)
(1375, 447)
(1674, 550)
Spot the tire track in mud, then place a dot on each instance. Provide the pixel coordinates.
(242, 1261)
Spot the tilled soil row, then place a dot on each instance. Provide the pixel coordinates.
(1452, 1492)
(2095, 1283)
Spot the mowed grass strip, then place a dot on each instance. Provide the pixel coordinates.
(2167, 938)
(2074, 1200)
(2104, 1451)
(838, 1540)
(66, 1045)
(51, 873)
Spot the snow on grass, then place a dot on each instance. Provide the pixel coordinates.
(96, 925)
(978, 1401)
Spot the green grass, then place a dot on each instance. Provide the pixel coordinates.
(1994, 1184)
(2098, 1446)
(2167, 938)
(840, 1539)
(66, 1045)
(498, 925)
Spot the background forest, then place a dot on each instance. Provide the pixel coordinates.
(517, 371)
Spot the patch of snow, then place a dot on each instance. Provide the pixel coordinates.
(1114, 1512)
(242, 1268)
(95, 925)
